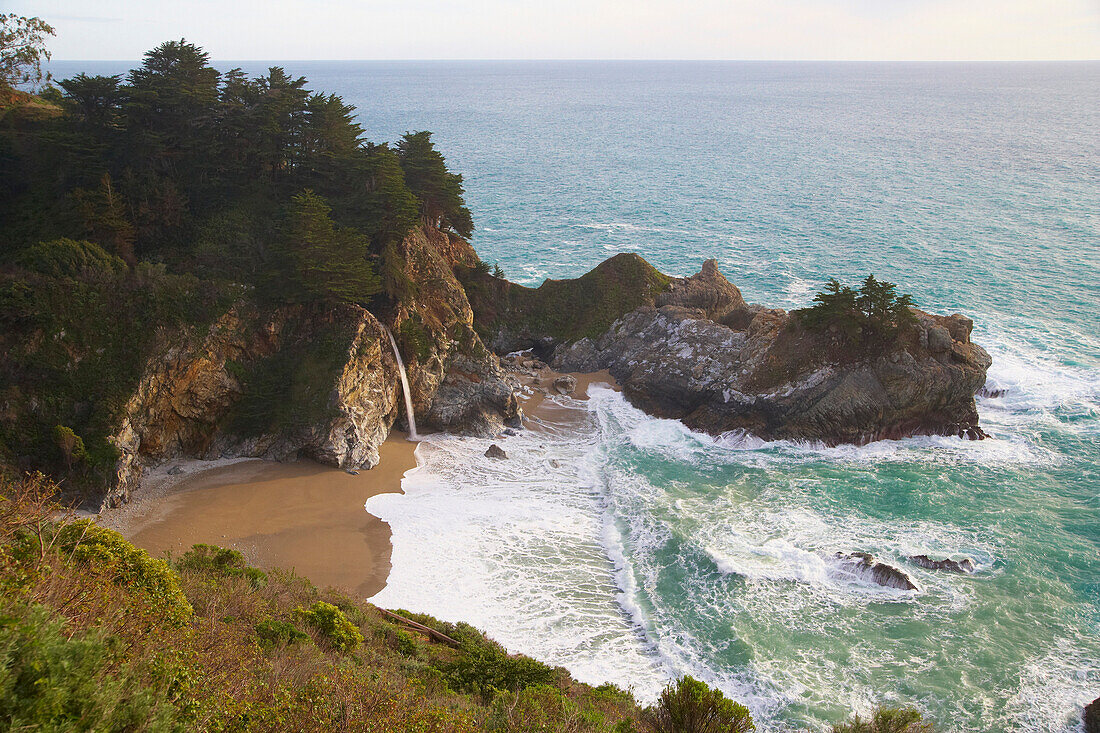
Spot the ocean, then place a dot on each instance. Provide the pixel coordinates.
(632, 550)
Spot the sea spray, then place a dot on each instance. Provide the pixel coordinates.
(404, 387)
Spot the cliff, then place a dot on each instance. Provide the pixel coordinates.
(318, 381)
(144, 367)
(697, 352)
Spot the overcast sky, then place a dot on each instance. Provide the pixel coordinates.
(577, 29)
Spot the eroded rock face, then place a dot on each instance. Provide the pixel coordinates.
(184, 405)
(757, 372)
(457, 384)
(187, 393)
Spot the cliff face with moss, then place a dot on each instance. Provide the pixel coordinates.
(195, 372)
(319, 381)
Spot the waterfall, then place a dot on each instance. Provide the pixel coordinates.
(404, 388)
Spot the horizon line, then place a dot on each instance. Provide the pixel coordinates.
(641, 60)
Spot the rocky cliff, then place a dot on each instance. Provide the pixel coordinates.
(317, 381)
(699, 353)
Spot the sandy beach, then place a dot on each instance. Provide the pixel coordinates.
(301, 516)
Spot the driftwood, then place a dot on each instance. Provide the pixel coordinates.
(438, 636)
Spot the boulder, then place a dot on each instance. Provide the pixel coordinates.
(565, 384)
(965, 565)
(495, 451)
(865, 565)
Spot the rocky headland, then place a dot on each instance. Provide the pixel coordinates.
(692, 349)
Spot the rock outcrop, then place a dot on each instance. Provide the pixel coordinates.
(864, 565)
(1092, 716)
(701, 355)
(189, 397)
(965, 565)
(318, 381)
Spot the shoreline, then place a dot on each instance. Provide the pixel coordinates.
(300, 516)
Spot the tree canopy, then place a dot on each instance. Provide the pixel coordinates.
(440, 191)
(23, 49)
(873, 311)
(207, 172)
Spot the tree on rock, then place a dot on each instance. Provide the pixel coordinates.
(440, 191)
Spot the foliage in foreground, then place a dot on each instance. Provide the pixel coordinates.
(689, 706)
(97, 635)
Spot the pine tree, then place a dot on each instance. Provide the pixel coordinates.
(440, 191)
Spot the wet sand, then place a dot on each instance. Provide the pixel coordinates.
(301, 516)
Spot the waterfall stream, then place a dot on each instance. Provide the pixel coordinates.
(404, 388)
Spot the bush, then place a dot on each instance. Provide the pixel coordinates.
(274, 633)
(485, 668)
(70, 258)
(874, 310)
(108, 552)
(331, 623)
(49, 681)
(887, 720)
(220, 562)
(690, 706)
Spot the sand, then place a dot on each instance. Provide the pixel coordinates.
(301, 516)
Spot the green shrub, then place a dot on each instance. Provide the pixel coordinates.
(220, 562)
(485, 668)
(70, 258)
(274, 633)
(70, 444)
(887, 720)
(108, 552)
(333, 625)
(690, 706)
(51, 682)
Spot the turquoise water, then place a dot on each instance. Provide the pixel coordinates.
(631, 549)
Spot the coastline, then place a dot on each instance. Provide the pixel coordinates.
(302, 515)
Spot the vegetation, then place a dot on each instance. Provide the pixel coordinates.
(22, 50)
(97, 635)
(874, 312)
(887, 720)
(138, 210)
(689, 706)
(566, 310)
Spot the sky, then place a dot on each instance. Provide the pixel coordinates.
(577, 29)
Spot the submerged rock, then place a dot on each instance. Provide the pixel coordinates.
(865, 565)
(965, 565)
(495, 451)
